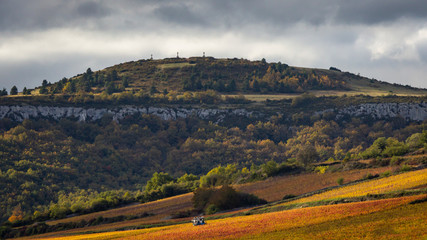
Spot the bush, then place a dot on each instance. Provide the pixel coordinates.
(212, 200)
(405, 168)
(303, 100)
(395, 160)
(288, 196)
(211, 209)
(370, 176)
(340, 181)
(386, 174)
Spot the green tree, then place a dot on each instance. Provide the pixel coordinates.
(26, 91)
(307, 155)
(125, 82)
(110, 88)
(232, 86)
(153, 90)
(157, 181)
(14, 90)
(43, 90)
(3, 92)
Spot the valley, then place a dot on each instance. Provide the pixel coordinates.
(136, 150)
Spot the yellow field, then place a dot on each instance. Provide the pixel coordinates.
(303, 222)
(393, 183)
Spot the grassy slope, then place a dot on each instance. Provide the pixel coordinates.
(176, 70)
(144, 74)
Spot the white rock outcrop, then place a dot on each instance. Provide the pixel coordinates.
(410, 111)
(19, 113)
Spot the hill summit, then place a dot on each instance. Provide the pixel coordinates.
(228, 76)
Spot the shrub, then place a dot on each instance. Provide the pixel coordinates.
(211, 209)
(405, 168)
(370, 176)
(321, 169)
(395, 160)
(386, 174)
(340, 181)
(212, 200)
(303, 100)
(288, 196)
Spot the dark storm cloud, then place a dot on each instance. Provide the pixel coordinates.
(378, 11)
(179, 14)
(44, 14)
(56, 38)
(92, 10)
(217, 13)
(212, 14)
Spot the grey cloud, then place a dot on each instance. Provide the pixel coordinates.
(19, 15)
(92, 9)
(422, 51)
(304, 32)
(210, 14)
(379, 11)
(179, 13)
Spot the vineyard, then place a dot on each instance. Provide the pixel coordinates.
(159, 209)
(271, 189)
(315, 221)
(275, 188)
(285, 222)
(383, 185)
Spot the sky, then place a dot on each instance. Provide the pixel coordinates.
(45, 39)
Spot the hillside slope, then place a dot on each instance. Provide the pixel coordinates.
(222, 75)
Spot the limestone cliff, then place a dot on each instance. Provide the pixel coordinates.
(409, 111)
(19, 113)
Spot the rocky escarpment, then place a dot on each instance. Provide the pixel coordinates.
(19, 113)
(409, 111)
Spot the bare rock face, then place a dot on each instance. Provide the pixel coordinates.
(409, 111)
(19, 113)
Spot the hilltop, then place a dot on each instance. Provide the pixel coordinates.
(227, 76)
